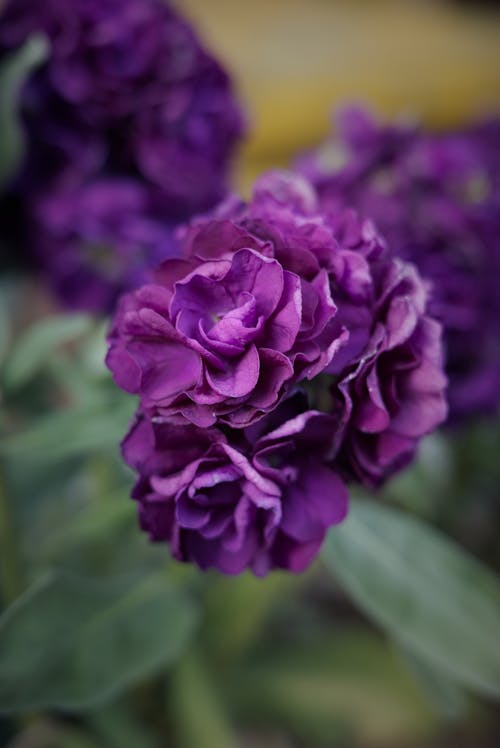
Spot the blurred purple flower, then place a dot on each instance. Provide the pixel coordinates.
(258, 498)
(127, 87)
(128, 101)
(436, 198)
(98, 240)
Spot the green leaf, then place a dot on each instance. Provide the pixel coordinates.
(13, 74)
(99, 520)
(72, 433)
(442, 692)
(93, 351)
(4, 329)
(71, 642)
(35, 347)
(435, 599)
(98, 535)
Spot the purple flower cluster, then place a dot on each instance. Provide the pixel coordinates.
(99, 237)
(225, 331)
(258, 497)
(128, 94)
(436, 198)
(285, 353)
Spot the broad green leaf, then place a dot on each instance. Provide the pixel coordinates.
(434, 598)
(71, 433)
(97, 536)
(14, 72)
(97, 520)
(71, 642)
(35, 347)
(93, 351)
(442, 692)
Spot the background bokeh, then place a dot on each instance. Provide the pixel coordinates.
(285, 662)
(295, 61)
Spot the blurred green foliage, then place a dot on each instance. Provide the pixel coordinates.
(13, 74)
(425, 591)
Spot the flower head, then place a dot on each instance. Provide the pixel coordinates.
(258, 498)
(225, 332)
(128, 108)
(284, 353)
(436, 199)
(127, 88)
(272, 293)
(99, 240)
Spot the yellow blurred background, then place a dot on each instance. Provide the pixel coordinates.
(294, 61)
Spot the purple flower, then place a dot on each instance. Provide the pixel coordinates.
(100, 239)
(273, 293)
(128, 100)
(226, 331)
(258, 498)
(393, 392)
(236, 467)
(436, 198)
(128, 88)
(386, 382)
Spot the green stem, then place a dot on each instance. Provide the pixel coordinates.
(11, 577)
(237, 609)
(198, 717)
